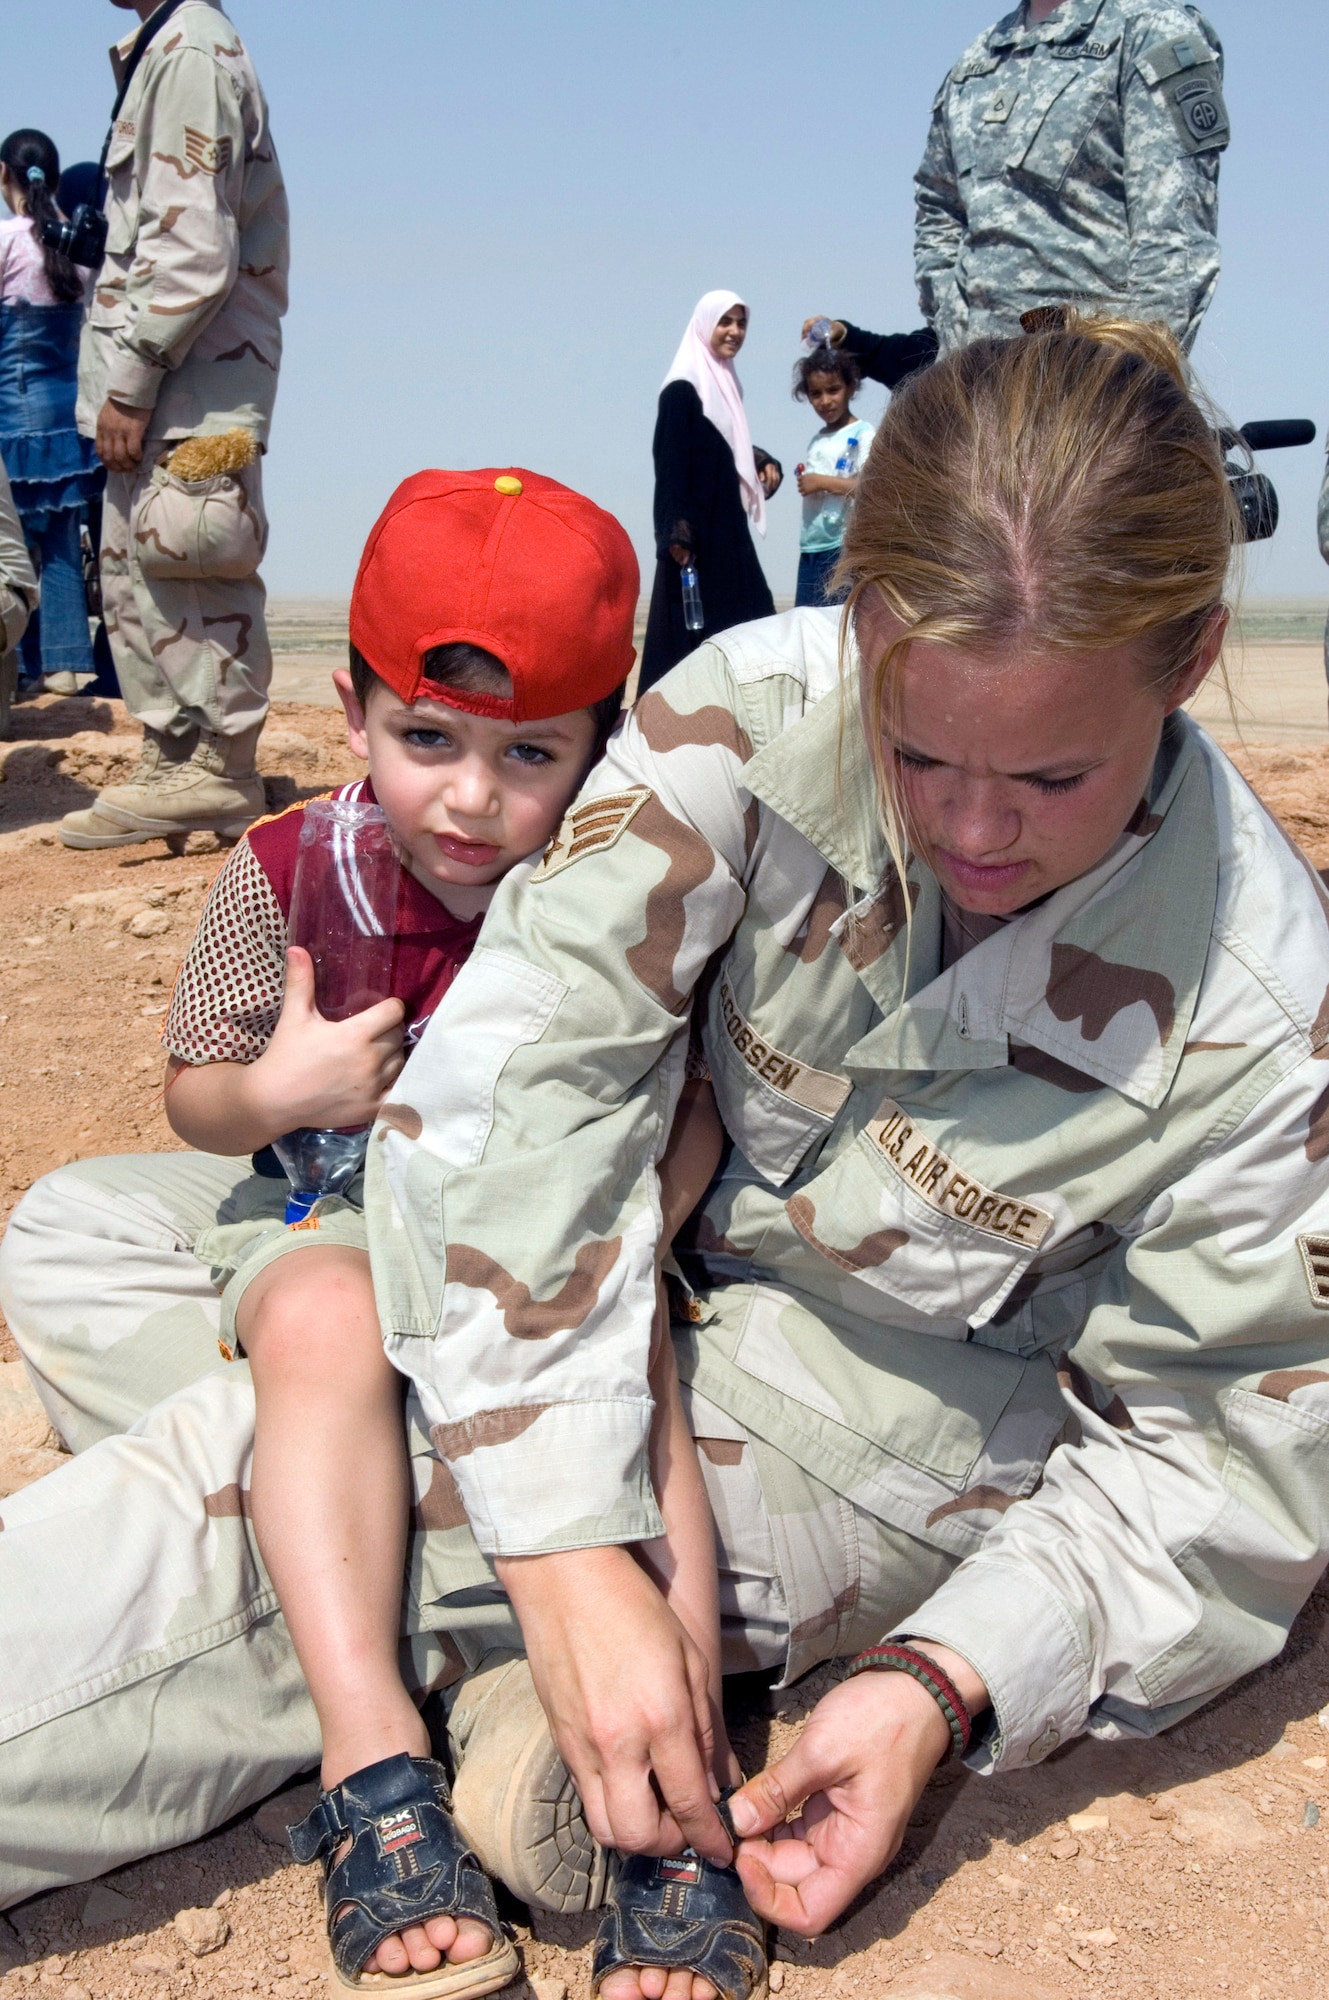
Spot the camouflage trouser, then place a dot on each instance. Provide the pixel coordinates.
(148, 1688)
(191, 650)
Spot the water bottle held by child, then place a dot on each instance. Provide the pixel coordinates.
(846, 465)
(693, 616)
(348, 879)
(818, 333)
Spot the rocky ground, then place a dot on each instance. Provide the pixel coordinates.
(1195, 1866)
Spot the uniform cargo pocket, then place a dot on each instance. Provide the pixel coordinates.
(188, 530)
(896, 1211)
(122, 201)
(775, 1107)
(1061, 122)
(823, 1381)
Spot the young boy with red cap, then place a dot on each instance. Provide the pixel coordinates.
(491, 634)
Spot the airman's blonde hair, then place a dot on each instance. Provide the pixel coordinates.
(1061, 491)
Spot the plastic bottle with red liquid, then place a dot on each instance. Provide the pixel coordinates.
(344, 910)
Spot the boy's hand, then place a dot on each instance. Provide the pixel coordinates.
(320, 1072)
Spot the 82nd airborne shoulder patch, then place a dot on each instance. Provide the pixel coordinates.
(590, 828)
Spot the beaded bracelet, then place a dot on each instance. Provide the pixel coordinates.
(893, 1658)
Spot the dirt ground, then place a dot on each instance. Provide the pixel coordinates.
(1194, 1866)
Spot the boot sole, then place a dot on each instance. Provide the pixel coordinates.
(162, 830)
(515, 1803)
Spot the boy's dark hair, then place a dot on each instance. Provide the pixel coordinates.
(28, 150)
(472, 670)
(826, 360)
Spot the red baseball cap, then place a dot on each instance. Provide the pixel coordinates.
(504, 559)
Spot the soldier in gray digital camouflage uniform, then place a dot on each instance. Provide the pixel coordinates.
(1008, 1327)
(1073, 159)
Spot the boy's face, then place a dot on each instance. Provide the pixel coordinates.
(467, 796)
(828, 396)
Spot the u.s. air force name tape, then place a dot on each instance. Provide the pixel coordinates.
(590, 828)
(934, 1176)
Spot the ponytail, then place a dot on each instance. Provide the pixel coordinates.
(34, 165)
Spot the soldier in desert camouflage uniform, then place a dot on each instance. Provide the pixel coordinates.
(184, 340)
(1322, 524)
(1073, 158)
(18, 594)
(1007, 1327)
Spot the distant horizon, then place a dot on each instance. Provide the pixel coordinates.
(502, 218)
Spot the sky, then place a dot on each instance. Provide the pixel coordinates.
(503, 214)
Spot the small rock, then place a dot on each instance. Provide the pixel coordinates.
(224, 1897)
(71, 1990)
(1064, 1850)
(105, 1906)
(1323, 1719)
(1311, 1816)
(1101, 1940)
(774, 1978)
(148, 923)
(1081, 1958)
(201, 1931)
(52, 1967)
(1088, 1822)
(1314, 1763)
(549, 1989)
(154, 1961)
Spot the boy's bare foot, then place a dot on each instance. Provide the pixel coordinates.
(652, 1982)
(425, 1946)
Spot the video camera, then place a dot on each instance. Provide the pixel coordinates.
(1254, 491)
(82, 238)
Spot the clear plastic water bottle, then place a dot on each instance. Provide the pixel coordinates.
(819, 333)
(344, 907)
(694, 617)
(846, 465)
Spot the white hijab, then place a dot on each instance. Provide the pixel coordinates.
(721, 394)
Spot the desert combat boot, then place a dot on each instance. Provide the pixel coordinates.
(514, 1800)
(215, 789)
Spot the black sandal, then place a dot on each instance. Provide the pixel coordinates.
(682, 1913)
(406, 1863)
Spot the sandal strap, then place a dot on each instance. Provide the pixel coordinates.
(322, 1829)
(681, 1913)
(406, 1862)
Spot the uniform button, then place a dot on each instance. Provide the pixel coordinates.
(505, 483)
(1045, 1744)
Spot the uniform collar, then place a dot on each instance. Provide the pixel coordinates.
(1103, 976)
(121, 51)
(818, 776)
(1072, 19)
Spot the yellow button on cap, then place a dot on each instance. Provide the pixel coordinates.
(505, 483)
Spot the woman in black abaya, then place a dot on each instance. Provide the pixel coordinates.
(711, 489)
